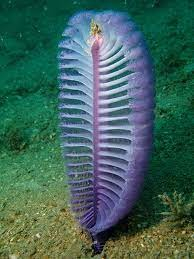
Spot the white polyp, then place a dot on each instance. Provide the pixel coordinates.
(106, 54)
(114, 91)
(113, 66)
(113, 74)
(115, 82)
(119, 54)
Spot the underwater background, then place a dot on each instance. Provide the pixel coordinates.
(35, 218)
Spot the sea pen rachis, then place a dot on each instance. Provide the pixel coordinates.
(106, 107)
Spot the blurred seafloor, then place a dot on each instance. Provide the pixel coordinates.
(35, 221)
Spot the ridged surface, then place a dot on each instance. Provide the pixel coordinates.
(106, 109)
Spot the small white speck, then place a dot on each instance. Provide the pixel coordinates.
(38, 235)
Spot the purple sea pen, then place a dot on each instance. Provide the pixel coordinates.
(106, 107)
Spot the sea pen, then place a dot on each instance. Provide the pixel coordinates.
(106, 107)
